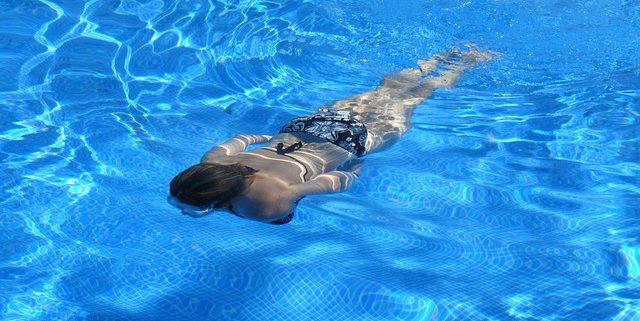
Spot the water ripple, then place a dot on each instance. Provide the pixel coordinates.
(514, 194)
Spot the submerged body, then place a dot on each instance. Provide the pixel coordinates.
(282, 180)
(317, 161)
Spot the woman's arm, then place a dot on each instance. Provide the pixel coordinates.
(331, 182)
(233, 146)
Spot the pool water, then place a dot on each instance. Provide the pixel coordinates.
(514, 196)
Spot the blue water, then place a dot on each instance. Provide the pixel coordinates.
(515, 195)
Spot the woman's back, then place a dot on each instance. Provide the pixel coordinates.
(315, 157)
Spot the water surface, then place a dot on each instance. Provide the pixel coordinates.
(514, 196)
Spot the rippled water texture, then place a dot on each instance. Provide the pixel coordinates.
(514, 196)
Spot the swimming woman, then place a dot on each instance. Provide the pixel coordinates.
(315, 154)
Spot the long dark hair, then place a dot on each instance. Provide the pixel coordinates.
(209, 183)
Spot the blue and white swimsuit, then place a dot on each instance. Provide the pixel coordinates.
(337, 127)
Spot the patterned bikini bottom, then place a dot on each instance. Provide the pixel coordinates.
(337, 127)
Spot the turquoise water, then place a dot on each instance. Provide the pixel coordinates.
(514, 196)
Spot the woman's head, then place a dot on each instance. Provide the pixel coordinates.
(210, 184)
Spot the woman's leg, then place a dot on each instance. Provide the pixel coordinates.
(387, 110)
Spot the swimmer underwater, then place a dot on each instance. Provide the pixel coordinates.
(315, 154)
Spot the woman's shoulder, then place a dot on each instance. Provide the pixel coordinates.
(221, 158)
(269, 197)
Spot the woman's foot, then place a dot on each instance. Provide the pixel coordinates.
(450, 65)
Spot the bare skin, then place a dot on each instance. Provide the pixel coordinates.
(281, 180)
